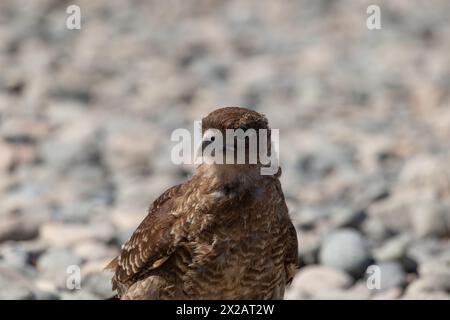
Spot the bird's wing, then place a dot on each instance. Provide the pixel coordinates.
(291, 260)
(152, 243)
(291, 244)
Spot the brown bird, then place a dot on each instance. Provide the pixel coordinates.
(224, 234)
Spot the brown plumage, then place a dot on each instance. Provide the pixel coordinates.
(224, 234)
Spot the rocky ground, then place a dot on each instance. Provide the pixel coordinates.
(364, 119)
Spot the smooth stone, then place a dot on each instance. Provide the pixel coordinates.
(346, 250)
(311, 280)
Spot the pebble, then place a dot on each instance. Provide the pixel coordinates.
(6, 158)
(309, 250)
(91, 250)
(348, 218)
(392, 275)
(55, 264)
(68, 234)
(393, 249)
(428, 288)
(346, 250)
(18, 227)
(311, 280)
(431, 219)
(18, 286)
(359, 291)
(426, 250)
(99, 284)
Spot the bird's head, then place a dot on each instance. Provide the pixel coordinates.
(237, 136)
(234, 118)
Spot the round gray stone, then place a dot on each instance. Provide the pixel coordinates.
(392, 275)
(346, 250)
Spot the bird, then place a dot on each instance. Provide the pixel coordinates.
(224, 234)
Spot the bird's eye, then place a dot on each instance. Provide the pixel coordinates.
(213, 138)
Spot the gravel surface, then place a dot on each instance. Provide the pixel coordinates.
(364, 118)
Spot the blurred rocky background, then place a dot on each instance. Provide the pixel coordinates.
(364, 118)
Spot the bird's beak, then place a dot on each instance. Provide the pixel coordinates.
(205, 143)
